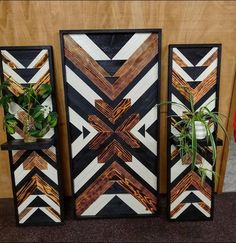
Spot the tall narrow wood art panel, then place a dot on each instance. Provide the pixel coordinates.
(34, 167)
(195, 67)
(111, 87)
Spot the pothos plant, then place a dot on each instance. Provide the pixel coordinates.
(192, 123)
(37, 119)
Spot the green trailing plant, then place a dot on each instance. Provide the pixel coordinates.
(9, 120)
(38, 118)
(187, 138)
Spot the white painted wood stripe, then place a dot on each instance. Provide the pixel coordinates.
(80, 142)
(182, 57)
(103, 200)
(37, 58)
(81, 87)
(10, 72)
(177, 169)
(131, 46)
(48, 103)
(12, 59)
(203, 198)
(181, 72)
(28, 215)
(86, 174)
(20, 174)
(176, 215)
(49, 214)
(41, 72)
(143, 85)
(174, 131)
(207, 165)
(31, 198)
(50, 133)
(179, 199)
(210, 103)
(51, 172)
(142, 171)
(207, 56)
(16, 136)
(50, 202)
(25, 203)
(207, 71)
(148, 140)
(177, 108)
(98, 205)
(90, 47)
(201, 209)
(133, 203)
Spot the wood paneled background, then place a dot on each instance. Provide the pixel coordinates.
(38, 23)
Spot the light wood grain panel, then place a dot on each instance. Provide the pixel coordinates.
(38, 23)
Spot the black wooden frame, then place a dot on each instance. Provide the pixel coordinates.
(55, 141)
(109, 31)
(169, 142)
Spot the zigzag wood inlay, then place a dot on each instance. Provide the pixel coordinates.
(127, 72)
(24, 213)
(113, 113)
(34, 160)
(187, 190)
(8, 62)
(124, 130)
(211, 59)
(104, 131)
(205, 207)
(174, 153)
(41, 61)
(36, 182)
(52, 211)
(43, 80)
(14, 87)
(114, 148)
(190, 179)
(104, 181)
(17, 155)
(34, 67)
(19, 131)
(50, 154)
(176, 209)
(178, 60)
(204, 87)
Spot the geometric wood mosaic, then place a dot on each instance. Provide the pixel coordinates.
(35, 173)
(111, 89)
(196, 67)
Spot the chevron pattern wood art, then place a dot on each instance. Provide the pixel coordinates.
(111, 82)
(195, 67)
(34, 172)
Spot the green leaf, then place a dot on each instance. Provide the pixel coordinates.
(194, 145)
(52, 119)
(45, 90)
(38, 125)
(10, 129)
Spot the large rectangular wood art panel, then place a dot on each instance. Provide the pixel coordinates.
(34, 167)
(111, 87)
(195, 67)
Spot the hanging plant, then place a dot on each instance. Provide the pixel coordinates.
(37, 119)
(194, 126)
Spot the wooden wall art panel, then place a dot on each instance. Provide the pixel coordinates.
(34, 167)
(111, 87)
(196, 67)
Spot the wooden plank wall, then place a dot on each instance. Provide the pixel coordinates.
(39, 22)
